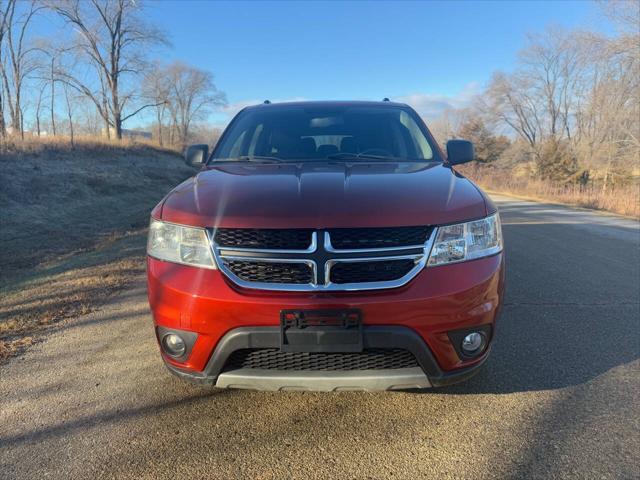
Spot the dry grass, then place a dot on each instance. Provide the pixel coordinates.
(31, 144)
(55, 200)
(72, 228)
(72, 285)
(622, 199)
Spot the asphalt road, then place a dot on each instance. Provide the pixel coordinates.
(558, 398)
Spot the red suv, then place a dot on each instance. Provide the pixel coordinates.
(326, 246)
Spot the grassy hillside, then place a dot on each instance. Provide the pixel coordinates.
(72, 228)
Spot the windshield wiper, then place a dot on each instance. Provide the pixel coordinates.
(365, 156)
(258, 159)
(249, 158)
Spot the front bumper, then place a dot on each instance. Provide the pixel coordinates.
(437, 301)
(428, 373)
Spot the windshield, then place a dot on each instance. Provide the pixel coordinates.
(300, 133)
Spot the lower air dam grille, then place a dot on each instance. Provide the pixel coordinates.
(274, 359)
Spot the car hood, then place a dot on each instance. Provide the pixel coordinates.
(323, 195)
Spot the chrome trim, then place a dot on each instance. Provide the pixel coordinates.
(420, 260)
(329, 247)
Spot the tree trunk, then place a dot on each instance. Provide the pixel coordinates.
(159, 117)
(53, 91)
(185, 134)
(18, 120)
(38, 107)
(3, 127)
(66, 93)
(21, 118)
(117, 120)
(115, 101)
(71, 131)
(605, 182)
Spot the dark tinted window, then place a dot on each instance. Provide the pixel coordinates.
(298, 133)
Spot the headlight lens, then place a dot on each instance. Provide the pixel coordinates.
(179, 244)
(467, 241)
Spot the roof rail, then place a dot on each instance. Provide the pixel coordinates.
(267, 102)
(385, 99)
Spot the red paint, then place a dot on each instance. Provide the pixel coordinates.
(438, 300)
(326, 195)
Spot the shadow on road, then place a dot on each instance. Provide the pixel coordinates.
(570, 316)
(572, 306)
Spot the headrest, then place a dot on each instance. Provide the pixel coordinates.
(308, 146)
(326, 150)
(348, 145)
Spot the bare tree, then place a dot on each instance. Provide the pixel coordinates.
(510, 100)
(4, 14)
(156, 89)
(550, 62)
(625, 15)
(47, 67)
(574, 97)
(19, 61)
(538, 100)
(52, 84)
(113, 37)
(41, 90)
(488, 147)
(191, 95)
(69, 114)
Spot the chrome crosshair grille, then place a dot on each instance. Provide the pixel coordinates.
(308, 260)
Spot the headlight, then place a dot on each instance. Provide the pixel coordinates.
(467, 241)
(179, 244)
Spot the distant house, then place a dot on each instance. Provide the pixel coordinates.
(128, 133)
(33, 133)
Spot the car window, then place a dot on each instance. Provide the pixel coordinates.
(254, 140)
(420, 143)
(236, 146)
(308, 133)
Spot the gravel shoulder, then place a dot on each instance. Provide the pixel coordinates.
(558, 398)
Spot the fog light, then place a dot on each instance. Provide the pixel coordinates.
(174, 345)
(473, 343)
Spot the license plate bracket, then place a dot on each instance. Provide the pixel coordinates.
(332, 330)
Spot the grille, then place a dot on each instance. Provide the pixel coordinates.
(274, 359)
(380, 271)
(270, 272)
(271, 239)
(352, 238)
(305, 259)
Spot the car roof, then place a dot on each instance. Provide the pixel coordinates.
(329, 104)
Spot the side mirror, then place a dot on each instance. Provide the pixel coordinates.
(459, 151)
(196, 155)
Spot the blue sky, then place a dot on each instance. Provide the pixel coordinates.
(431, 54)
